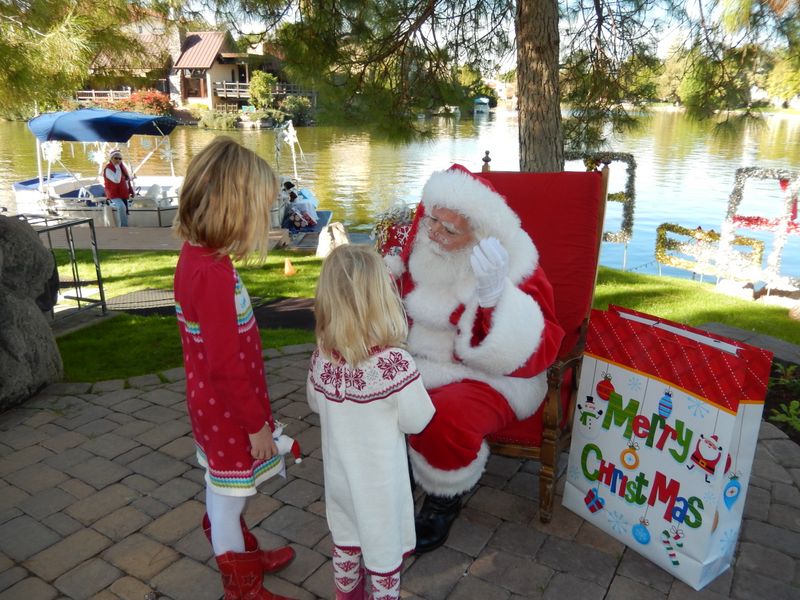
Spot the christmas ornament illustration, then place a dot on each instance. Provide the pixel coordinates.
(629, 457)
(640, 531)
(731, 492)
(706, 455)
(605, 387)
(665, 404)
(593, 500)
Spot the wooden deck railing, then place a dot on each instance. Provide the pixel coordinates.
(232, 89)
(95, 95)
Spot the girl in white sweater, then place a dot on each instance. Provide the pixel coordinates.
(368, 394)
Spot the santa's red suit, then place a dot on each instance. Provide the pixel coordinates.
(483, 367)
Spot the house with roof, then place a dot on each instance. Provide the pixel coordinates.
(145, 63)
(198, 67)
(209, 71)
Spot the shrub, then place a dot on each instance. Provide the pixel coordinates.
(789, 414)
(218, 120)
(783, 391)
(261, 85)
(151, 102)
(197, 110)
(298, 109)
(270, 114)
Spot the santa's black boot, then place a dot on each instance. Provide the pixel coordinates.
(434, 520)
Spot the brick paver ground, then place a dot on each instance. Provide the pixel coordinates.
(101, 497)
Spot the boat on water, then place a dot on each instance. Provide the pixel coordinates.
(480, 105)
(70, 194)
(296, 208)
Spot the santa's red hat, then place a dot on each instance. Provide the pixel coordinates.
(471, 195)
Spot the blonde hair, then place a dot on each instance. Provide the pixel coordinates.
(226, 199)
(357, 307)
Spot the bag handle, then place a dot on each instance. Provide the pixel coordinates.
(691, 335)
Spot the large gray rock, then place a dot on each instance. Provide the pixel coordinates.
(29, 356)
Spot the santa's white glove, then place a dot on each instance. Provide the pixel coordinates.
(489, 262)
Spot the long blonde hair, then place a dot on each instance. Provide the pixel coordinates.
(357, 306)
(226, 199)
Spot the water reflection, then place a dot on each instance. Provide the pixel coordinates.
(685, 174)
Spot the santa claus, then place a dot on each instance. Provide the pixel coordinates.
(482, 331)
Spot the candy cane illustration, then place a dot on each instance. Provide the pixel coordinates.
(667, 541)
(677, 535)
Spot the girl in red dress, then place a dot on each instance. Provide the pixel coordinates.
(224, 210)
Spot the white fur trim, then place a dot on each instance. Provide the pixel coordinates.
(462, 192)
(515, 333)
(448, 483)
(395, 264)
(488, 212)
(524, 395)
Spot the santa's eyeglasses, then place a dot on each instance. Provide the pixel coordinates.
(448, 228)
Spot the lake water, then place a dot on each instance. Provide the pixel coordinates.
(684, 173)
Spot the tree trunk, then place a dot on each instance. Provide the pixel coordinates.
(541, 145)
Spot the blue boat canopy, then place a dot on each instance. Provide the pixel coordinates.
(98, 125)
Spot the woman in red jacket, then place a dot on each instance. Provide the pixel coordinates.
(118, 186)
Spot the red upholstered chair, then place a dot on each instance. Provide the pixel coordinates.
(563, 213)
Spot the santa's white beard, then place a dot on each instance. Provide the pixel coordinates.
(429, 263)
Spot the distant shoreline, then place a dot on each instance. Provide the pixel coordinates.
(783, 113)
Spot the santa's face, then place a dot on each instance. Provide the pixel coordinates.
(708, 449)
(444, 269)
(449, 230)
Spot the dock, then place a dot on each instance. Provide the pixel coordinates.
(140, 238)
(162, 238)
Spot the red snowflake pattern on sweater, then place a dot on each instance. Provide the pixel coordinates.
(355, 378)
(386, 372)
(393, 365)
(331, 375)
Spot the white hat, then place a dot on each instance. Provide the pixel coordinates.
(115, 152)
(476, 198)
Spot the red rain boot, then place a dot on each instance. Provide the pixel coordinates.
(272, 561)
(242, 577)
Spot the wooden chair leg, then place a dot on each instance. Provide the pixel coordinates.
(549, 452)
(547, 470)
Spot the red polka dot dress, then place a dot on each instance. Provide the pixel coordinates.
(226, 391)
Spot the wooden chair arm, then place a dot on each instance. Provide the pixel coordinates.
(556, 371)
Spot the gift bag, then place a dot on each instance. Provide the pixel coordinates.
(664, 434)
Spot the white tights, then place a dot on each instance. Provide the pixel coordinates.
(223, 514)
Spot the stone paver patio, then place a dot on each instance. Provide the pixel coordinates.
(101, 497)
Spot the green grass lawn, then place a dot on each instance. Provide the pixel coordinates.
(125, 272)
(127, 345)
